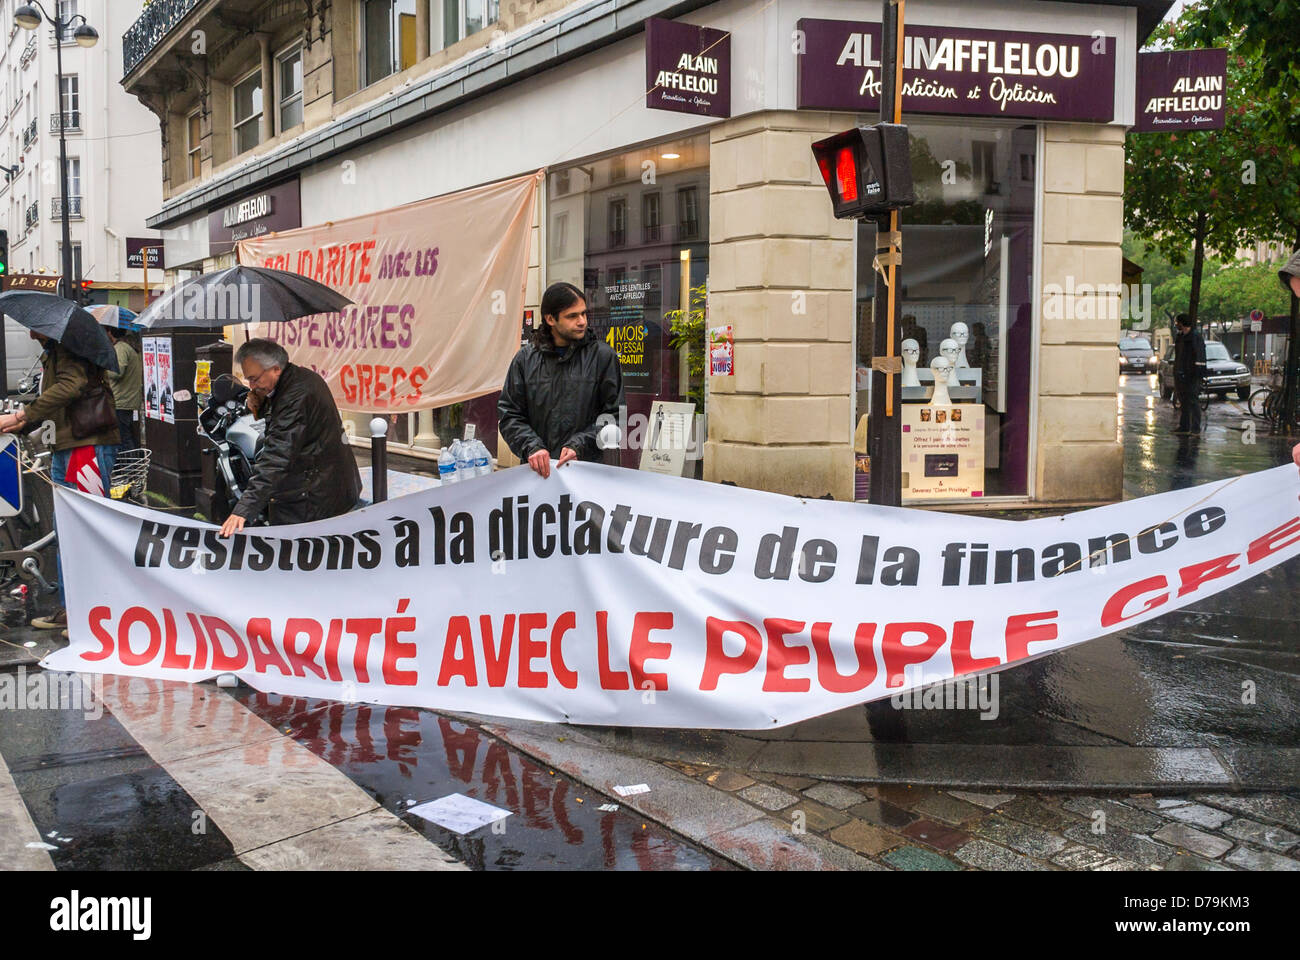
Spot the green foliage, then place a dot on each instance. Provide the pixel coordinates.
(1262, 32)
(1228, 188)
(1228, 291)
(689, 331)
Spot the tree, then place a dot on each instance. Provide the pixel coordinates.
(1262, 32)
(1180, 188)
(688, 333)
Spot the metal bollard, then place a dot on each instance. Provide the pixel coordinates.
(378, 459)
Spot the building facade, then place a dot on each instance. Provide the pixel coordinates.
(281, 114)
(114, 171)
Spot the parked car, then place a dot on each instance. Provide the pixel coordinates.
(1136, 355)
(1223, 374)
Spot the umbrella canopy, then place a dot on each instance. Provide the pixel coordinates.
(62, 320)
(240, 295)
(111, 315)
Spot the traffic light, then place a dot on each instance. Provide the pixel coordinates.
(4, 260)
(84, 293)
(867, 170)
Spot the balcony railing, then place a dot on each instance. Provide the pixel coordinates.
(150, 28)
(28, 54)
(70, 121)
(33, 216)
(74, 208)
(29, 134)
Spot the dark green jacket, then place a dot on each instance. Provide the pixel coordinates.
(64, 378)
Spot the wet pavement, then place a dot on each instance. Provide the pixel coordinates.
(403, 756)
(1156, 707)
(143, 774)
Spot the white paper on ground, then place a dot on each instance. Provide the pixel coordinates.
(633, 790)
(459, 813)
(608, 807)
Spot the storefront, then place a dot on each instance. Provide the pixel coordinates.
(1012, 251)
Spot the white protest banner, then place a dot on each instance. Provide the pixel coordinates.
(610, 596)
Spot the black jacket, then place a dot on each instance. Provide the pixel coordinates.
(553, 402)
(1189, 357)
(306, 470)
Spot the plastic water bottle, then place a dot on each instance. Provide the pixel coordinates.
(462, 451)
(447, 466)
(482, 459)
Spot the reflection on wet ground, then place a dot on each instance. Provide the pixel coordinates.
(1175, 682)
(404, 756)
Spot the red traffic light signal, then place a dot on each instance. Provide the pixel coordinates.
(867, 170)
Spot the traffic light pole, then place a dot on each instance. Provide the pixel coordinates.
(885, 435)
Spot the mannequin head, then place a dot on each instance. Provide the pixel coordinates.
(911, 353)
(941, 367)
(960, 333)
(950, 350)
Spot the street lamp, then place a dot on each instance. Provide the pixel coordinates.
(29, 17)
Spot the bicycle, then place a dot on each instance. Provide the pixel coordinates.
(1203, 397)
(27, 540)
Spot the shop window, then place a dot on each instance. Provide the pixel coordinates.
(633, 273)
(248, 112)
(290, 92)
(983, 160)
(388, 37)
(560, 234)
(688, 212)
(617, 221)
(650, 217)
(967, 276)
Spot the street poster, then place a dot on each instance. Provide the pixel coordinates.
(202, 381)
(166, 389)
(152, 394)
(620, 597)
(628, 334)
(668, 437)
(943, 451)
(438, 296)
(722, 351)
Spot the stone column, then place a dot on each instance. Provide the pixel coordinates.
(421, 30)
(1080, 453)
(781, 272)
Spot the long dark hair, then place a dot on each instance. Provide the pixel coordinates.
(557, 298)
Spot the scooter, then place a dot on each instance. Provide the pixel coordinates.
(236, 436)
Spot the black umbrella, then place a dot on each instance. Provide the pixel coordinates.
(240, 295)
(62, 320)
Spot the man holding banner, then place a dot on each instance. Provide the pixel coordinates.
(307, 470)
(559, 386)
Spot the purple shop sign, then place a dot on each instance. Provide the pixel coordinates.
(1181, 90)
(687, 68)
(950, 70)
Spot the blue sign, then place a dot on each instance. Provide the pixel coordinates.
(11, 478)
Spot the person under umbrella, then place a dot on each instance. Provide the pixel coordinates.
(240, 295)
(74, 359)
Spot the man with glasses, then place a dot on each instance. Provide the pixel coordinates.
(306, 470)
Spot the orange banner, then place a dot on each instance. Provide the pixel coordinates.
(438, 297)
